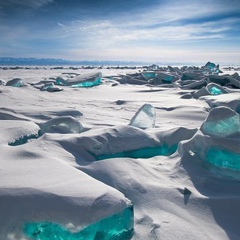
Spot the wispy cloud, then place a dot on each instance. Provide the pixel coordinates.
(115, 32)
(168, 30)
(24, 3)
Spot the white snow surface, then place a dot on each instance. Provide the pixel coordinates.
(56, 177)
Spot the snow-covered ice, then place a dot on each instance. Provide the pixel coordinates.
(114, 153)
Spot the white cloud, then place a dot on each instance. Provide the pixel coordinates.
(171, 21)
(114, 33)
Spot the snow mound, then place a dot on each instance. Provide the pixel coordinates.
(123, 142)
(16, 82)
(64, 124)
(37, 186)
(16, 132)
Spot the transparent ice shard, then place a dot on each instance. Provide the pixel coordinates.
(145, 117)
(221, 122)
(119, 226)
(212, 67)
(66, 124)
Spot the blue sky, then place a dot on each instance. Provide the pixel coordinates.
(136, 30)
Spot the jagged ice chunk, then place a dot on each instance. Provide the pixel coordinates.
(145, 117)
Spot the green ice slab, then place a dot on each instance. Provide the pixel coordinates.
(163, 150)
(149, 75)
(85, 84)
(216, 91)
(223, 158)
(117, 227)
(88, 84)
(223, 127)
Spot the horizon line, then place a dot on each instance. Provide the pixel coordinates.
(20, 60)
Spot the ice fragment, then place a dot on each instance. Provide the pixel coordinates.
(16, 82)
(84, 80)
(145, 117)
(50, 87)
(215, 89)
(149, 74)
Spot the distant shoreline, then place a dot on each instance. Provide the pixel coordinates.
(10, 61)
